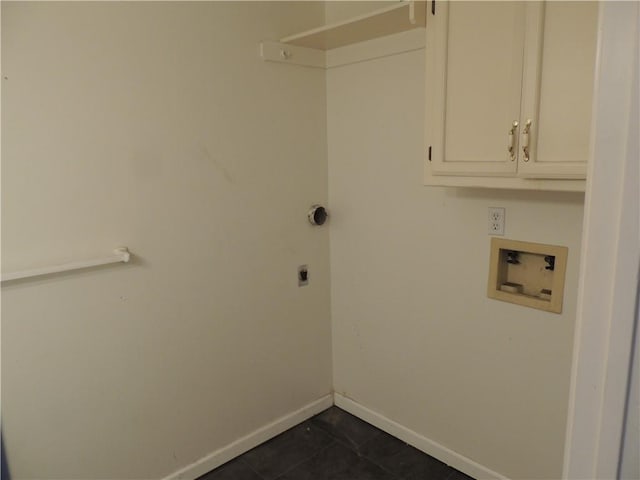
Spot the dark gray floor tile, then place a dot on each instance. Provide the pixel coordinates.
(233, 470)
(456, 475)
(403, 460)
(337, 462)
(282, 453)
(345, 427)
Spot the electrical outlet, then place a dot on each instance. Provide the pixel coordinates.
(303, 275)
(496, 220)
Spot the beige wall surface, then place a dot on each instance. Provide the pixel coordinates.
(157, 126)
(340, 10)
(415, 337)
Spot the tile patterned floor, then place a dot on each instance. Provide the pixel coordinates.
(334, 445)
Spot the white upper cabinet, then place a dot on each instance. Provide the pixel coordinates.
(475, 85)
(557, 90)
(509, 93)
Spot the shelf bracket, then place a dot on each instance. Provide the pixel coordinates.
(292, 54)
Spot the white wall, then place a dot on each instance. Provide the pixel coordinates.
(339, 10)
(415, 337)
(156, 126)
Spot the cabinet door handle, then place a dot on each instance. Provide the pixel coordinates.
(525, 140)
(511, 146)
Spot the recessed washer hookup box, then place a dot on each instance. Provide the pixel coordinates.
(526, 273)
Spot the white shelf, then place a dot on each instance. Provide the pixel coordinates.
(120, 254)
(406, 15)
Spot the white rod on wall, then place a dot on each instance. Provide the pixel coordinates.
(120, 254)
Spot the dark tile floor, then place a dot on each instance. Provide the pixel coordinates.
(334, 445)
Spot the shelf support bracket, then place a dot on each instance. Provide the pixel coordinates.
(292, 54)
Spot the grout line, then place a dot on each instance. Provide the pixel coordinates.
(333, 442)
(356, 448)
(341, 441)
(349, 445)
(450, 471)
(372, 462)
(371, 459)
(451, 458)
(252, 439)
(347, 441)
(241, 458)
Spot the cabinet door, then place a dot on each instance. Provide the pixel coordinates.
(557, 89)
(474, 74)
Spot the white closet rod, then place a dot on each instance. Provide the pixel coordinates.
(119, 255)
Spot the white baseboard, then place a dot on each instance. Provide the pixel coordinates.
(246, 443)
(442, 453)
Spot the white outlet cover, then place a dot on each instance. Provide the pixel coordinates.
(496, 220)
